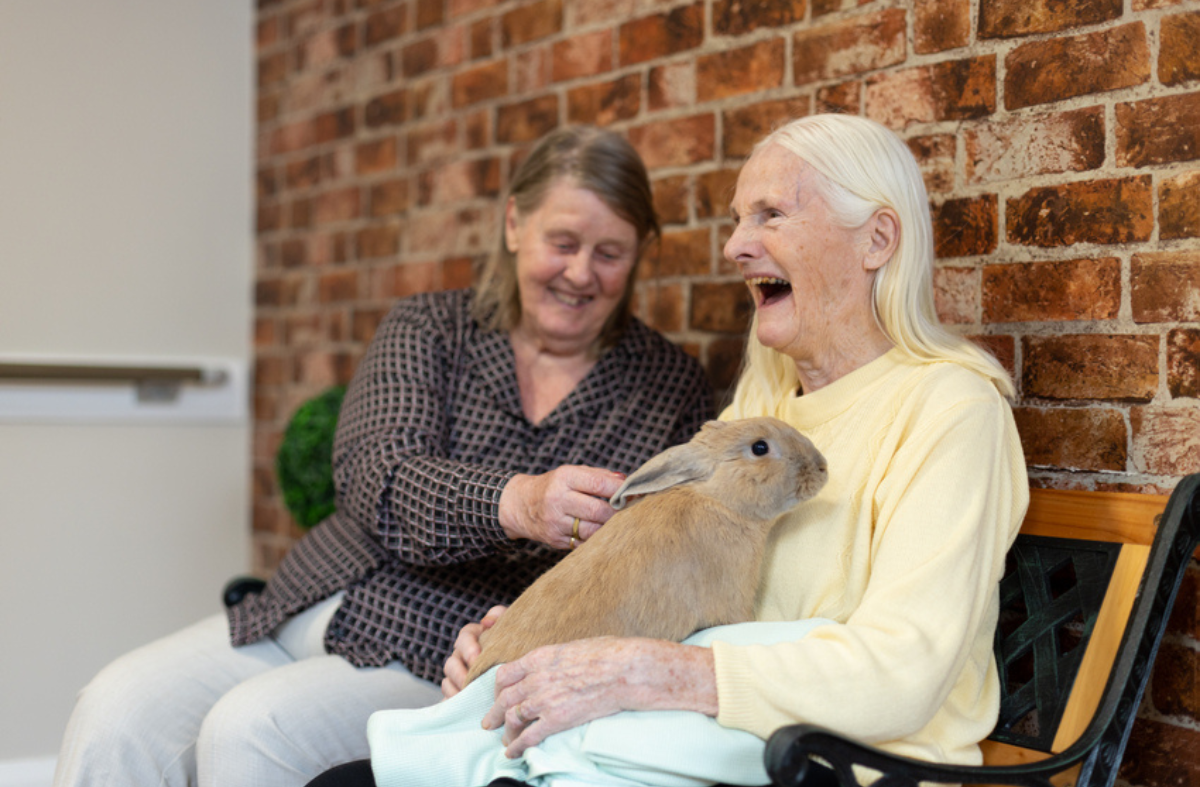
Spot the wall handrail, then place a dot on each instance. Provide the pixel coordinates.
(88, 373)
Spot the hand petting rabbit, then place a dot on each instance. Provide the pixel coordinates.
(686, 556)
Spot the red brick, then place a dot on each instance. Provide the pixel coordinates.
(749, 69)
(430, 13)
(477, 130)
(1183, 363)
(1178, 55)
(661, 306)
(457, 273)
(1166, 440)
(1043, 71)
(1146, 5)
(824, 7)
(375, 242)
(723, 361)
(745, 126)
(531, 70)
(389, 198)
(385, 25)
(528, 120)
(419, 57)
(661, 35)
(337, 286)
(1003, 348)
(364, 322)
(1158, 131)
(462, 180)
(672, 85)
(1175, 688)
(671, 199)
(583, 55)
(1068, 290)
(371, 158)
(387, 109)
(530, 22)
(723, 308)
(939, 25)
(272, 70)
(405, 279)
(936, 156)
(1088, 439)
(482, 39)
(300, 214)
(738, 17)
(714, 192)
(1013, 18)
(594, 11)
(965, 227)
(671, 143)
(956, 294)
(1185, 615)
(1092, 366)
(852, 46)
(1098, 211)
(459, 8)
(333, 125)
(339, 205)
(293, 253)
(952, 90)
(603, 103)
(1165, 287)
(1035, 145)
(480, 83)
(1179, 206)
(685, 253)
(432, 142)
(844, 97)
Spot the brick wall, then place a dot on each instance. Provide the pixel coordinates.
(1060, 144)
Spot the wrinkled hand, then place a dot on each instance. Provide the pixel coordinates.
(544, 507)
(557, 687)
(466, 650)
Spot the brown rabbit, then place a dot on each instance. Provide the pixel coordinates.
(685, 557)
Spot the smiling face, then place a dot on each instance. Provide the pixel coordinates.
(809, 276)
(574, 258)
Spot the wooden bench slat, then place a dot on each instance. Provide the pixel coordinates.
(1120, 517)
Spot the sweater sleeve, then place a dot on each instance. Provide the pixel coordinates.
(944, 511)
(391, 468)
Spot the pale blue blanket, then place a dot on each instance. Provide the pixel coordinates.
(445, 746)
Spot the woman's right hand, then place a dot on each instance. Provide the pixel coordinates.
(544, 507)
(466, 650)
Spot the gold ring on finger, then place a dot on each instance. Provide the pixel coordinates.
(574, 542)
(575, 530)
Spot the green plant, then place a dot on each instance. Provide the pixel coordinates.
(304, 462)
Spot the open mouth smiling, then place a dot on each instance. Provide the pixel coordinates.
(570, 300)
(770, 288)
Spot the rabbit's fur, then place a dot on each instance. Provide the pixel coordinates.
(686, 556)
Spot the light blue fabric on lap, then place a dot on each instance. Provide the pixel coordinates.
(445, 746)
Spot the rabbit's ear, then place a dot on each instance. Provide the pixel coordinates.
(678, 465)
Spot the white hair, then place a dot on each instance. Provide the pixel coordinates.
(862, 167)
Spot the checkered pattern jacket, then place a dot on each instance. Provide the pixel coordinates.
(430, 431)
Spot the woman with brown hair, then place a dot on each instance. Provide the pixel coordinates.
(481, 437)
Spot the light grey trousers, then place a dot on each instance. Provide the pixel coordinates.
(190, 709)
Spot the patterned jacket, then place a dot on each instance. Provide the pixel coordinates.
(429, 433)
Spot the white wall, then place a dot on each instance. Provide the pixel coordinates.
(125, 231)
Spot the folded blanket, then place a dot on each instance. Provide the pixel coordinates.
(445, 746)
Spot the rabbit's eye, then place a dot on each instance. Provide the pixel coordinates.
(760, 448)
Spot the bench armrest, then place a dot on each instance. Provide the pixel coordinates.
(790, 748)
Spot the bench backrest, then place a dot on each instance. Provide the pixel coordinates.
(1069, 603)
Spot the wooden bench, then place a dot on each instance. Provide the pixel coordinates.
(1084, 602)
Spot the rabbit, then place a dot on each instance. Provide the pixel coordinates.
(685, 555)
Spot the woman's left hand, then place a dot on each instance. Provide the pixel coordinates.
(557, 687)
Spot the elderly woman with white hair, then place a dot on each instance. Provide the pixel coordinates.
(902, 551)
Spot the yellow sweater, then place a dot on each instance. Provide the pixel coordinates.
(904, 547)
